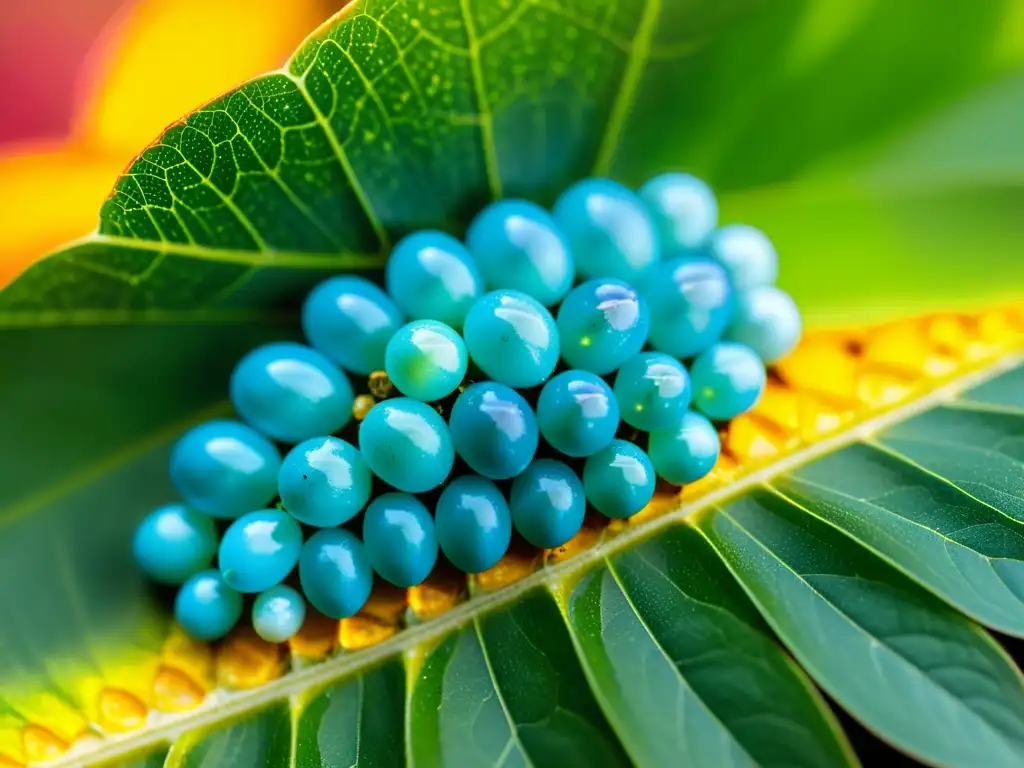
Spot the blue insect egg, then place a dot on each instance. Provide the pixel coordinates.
(494, 430)
(278, 613)
(398, 534)
(350, 320)
(766, 320)
(259, 549)
(619, 479)
(691, 305)
(206, 607)
(547, 503)
(291, 393)
(747, 255)
(609, 229)
(335, 572)
(432, 276)
(474, 527)
(512, 338)
(577, 413)
(518, 245)
(652, 390)
(174, 542)
(687, 451)
(407, 444)
(684, 210)
(324, 482)
(727, 380)
(601, 324)
(224, 468)
(426, 360)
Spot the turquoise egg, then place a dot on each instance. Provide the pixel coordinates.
(691, 304)
(494, 430)
(432, 276)
(652, 390)
(687, 451)
(206, 607)
(278, 613)
(517, 245)
(426, 360)
(609, 229)
(350, 320)
(259, 550)
(727, 380)
(766, 320)
(324, 482)
(407, 445)
(174, 542)
(398, 534)
(601, 324)
(547, 503)
(747, 255)
(512, 338)
(474, 527)
(619, 479)
(224, 468)
(684, 210)
(335, 572)
(291, 393)
(577, 413)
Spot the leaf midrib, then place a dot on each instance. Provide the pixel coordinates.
(555, 577)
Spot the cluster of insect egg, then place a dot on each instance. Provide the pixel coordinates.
(554, 359)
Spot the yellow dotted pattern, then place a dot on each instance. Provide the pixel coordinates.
(832, 379)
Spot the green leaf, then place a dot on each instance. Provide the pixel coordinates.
(686, 668)
(401, 114)
(967, 552)
(915, 671)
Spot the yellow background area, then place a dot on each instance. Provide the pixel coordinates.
(145, 75)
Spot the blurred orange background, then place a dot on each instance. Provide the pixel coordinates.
(86, 83)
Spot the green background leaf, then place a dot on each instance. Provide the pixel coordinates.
(882, 162)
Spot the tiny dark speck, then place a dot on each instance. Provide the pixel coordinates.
(305, 477)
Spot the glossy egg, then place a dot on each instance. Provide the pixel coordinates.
(619, 479)
(601, 324)
(398, 534)
(577, 413)
(259, 550)
(747, 255)
(609, 229)
(547, 503)
(407, 444)
(518, 245)
(335, 573)
(224, 468)
(324, 481)
(727, 380)
(206, 607)
(494, 430)
(474, 527)
(512, 338)
(426, 360)
(691, 304)
(766, 320)
(432, 276)
(684, 210)
(174, 542)
(686, 452)
(652, 390)
(350, 320)
(291, 393)
(278, 613)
